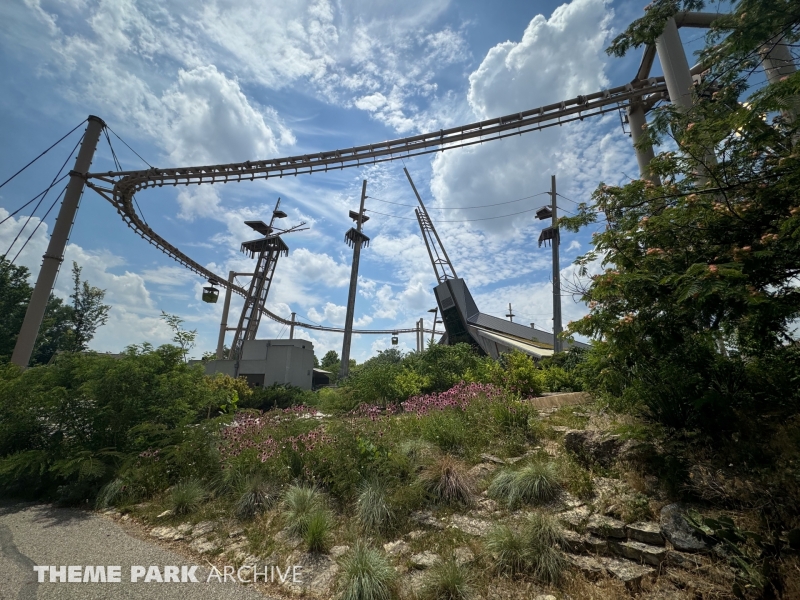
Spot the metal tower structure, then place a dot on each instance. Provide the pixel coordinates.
(441, 262)
(268, 249)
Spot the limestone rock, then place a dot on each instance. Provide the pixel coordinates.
(166, 533)
(424, 560)
(490, 458)
(202, 528)
(575, 519)
(396, 548)
(592, 446)
(415, 535)
(573, 541)
(595, 545)
(202, 545)
(643, 553)
(469, 525)
(545, 597)
(628, 572)
(647, 533)
(425, 517)
(463, 556)
(606, 527)
(166, 513)
(482, 470)
(685, 561)
(316, 575)
(338, 551)
(675, 528)
(591, 567)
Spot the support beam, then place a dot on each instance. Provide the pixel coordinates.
(779, 63)
(291, 327)
(356, 238)
(637, 120)
(556, 272)
(52, 259)
(223, 326)
(675, 66)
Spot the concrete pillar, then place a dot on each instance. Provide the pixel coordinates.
(675, 66)
(52, 259)
(778, 63)
(637, 121)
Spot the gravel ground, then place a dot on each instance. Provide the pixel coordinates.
(36, 534)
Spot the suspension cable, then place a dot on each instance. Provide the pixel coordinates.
(43, 153)
(460, 207)
(44, 191)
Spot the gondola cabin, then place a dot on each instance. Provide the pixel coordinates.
(394, 338)
(210, 293)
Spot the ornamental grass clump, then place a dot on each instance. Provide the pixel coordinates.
(447, 580)
(373, 509)
(534, 483)
(187, 496)
(299, 504)
(318, 533)
(366, 574)
(255, 497)
(447, 481)
(534, 550)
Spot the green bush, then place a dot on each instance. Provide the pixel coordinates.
(255, 496)
(557, 379)
(448, 429)
(277, 396)
(365, 574)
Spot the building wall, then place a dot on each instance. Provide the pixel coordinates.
(266, 362)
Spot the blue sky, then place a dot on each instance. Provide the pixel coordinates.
(194, 82)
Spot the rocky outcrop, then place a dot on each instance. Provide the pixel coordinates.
(675, 528)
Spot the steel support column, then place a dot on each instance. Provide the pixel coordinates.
(637, 120)
(675, 66)
(52, 259)
(344, 369)
(779, 63)
(556, 272)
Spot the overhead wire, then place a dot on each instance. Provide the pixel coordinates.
(30, 237)
(38, 204)
(44, 191)
(455, 220)
(129, 148)
(458, 207)
(43, 153)
(119, 166)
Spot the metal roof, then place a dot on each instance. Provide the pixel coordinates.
(518, 330)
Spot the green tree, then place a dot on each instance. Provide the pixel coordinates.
(185, 339)
(15, 293)
(694, 311)
(14, 296)
(88, 311)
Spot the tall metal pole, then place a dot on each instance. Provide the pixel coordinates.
(779, 63)
(291, 327)
(675, 66)
(637, 121)
(223, 326)
(433, 329)
(52, 259)
(556, 272)
(344, 369)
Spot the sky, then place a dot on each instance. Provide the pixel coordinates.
(205, 82)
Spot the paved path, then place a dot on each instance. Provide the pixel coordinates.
(35, 534)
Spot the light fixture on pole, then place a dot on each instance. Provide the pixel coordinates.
(435, 312)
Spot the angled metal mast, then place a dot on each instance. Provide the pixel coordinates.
(268, 249)
(441, 262)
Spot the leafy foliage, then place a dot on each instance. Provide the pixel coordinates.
(88, 311)
(696, 306)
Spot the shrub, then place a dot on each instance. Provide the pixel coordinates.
(535, 482)
(372, 508)
(446, 480)
(575, 479)
(447, 429)
(113, 493)
(519, 374)
(365, 574)
(557, 379)
(299, 504)
(447, 580)
(512, 416)
(318, 531)
(187, 496)
(255, 496)
(277, 396)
